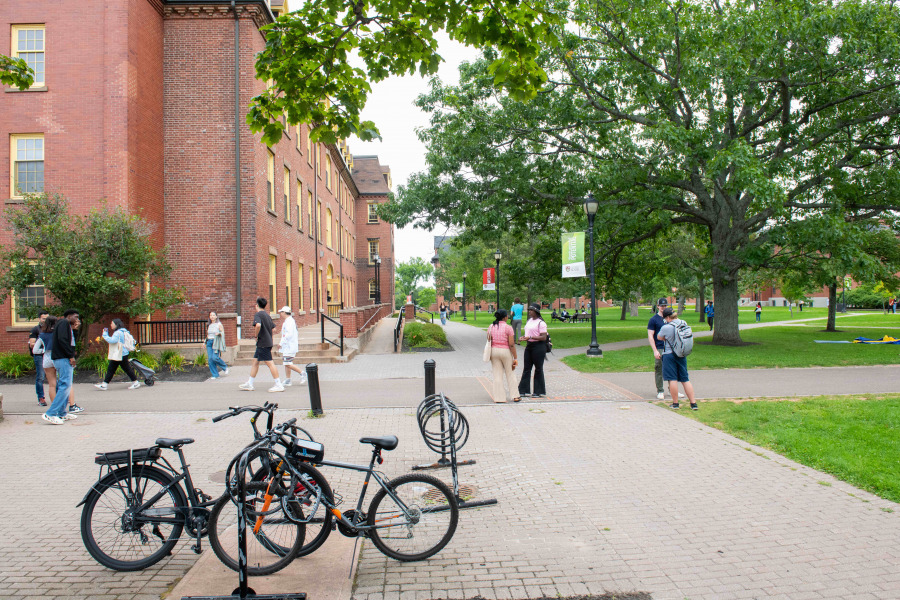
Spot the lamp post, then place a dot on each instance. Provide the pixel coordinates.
(497, 257)
(590, 208)
(377, 279)
(464, 297)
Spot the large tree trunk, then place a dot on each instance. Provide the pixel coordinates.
(633, 306)
(725, 291)
(700, 305)
(832, 306)
(624, 309)
(680, 306)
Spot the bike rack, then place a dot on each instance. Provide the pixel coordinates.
(244, 591)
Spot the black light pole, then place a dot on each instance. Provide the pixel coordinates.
(590, 207)
(497, 257)
(464, 296)
(377, 279)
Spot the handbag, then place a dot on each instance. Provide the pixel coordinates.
(486, 355)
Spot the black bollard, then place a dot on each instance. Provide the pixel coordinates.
(429, 377)
(315, 395)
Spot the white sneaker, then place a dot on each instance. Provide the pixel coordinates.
(225, 372)
(277, 387)
(303, 379)
(134, 385)
(287, 383)
(680, 395)
(69, 417)
(246, 386)
(52, 420)
(660, 396)
(100, 386)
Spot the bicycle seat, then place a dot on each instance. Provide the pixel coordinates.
(172, 443)
(385, 442)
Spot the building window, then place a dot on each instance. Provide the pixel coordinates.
(312, 292)
(298, 139)
(319, 221)
(309, 215)
(272, 282)
(299, 205)
(319, 160)
(328, 239)
(28, 44)
(373, 250)
(309, 153)
(26, 153)
(300, 302)
(270, 181)
(327, 171)
(372, 289)
(373, 212)
(288, 267)
(287, 194)
(33, 295)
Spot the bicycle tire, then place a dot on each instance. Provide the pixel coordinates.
(434, 519)
(97, 513)
(269, 549)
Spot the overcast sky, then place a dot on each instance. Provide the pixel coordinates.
(391, 107)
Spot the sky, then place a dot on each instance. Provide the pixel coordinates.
(391, 106)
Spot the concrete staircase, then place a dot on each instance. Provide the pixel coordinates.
(310, 349)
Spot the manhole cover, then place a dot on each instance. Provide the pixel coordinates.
(217, 477)
(465, 492)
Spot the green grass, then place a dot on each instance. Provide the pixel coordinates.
(424, 335)
(868, 428)
(771, 347)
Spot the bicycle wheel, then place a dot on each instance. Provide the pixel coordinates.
(307, 502)
(420, 525)
(116, 536)
(272, 539)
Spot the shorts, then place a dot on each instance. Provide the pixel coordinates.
(263, 354)
(288, 360)
(48, 362)
(674, 368)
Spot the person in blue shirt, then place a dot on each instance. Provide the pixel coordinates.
(657, 345)
(516, 321)
(710, 313)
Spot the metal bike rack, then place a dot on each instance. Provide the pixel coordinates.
(453, 435)
(244, 591)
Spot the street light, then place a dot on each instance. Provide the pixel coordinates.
(590, 208)
(377, 279)
(497, 257)
(464, 296)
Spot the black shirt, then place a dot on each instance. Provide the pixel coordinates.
(34, 335)
(655, 324)
(63, 340)
(266, 325)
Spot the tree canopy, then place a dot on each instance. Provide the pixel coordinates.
(408, 274)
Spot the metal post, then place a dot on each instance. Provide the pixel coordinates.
(464, 297)
(315, 395)
(429, 377)
(498, 285)
(243, 590)
(594, 349)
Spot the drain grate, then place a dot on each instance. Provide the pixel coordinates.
(466, 491)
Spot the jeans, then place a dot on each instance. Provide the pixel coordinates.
(516, 324)
(535, 353)
(443, 317)
(758, 315)
(39, 375)
(213, 359)
(60, 404)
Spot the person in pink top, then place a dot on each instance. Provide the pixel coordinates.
(503, 357)
(535, 339)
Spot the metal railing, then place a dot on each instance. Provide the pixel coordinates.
(148, 333)
(397, 329)
(419, 309)
(332, 342)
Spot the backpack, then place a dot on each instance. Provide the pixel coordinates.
(129, 341)
(684, 338)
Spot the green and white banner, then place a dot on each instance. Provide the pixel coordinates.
(459, 290)
(573, 254)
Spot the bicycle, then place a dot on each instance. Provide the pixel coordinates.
(410, 518)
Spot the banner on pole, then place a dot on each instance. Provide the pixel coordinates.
(573, 254)
(459, 290)
(489, 279)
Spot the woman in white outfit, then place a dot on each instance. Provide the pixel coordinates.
(290, 343)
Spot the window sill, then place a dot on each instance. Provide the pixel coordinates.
(271, 212)
(14, 328)
(288, 223)
(15, 90)
(14, 201)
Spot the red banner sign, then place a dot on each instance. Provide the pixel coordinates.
(489, 279)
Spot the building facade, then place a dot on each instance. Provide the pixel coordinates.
(141, 104)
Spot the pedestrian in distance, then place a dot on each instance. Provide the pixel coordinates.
(443, 312)
(516, 318)
(120, 342)
(801, 305)
(264, 326)
(503, 357)
(710, 313)
(891, 306)
(758, 311)
(674, 366)
(290, 344)
(37, 353)
(46, 341)
(535, 338)
(215, 345)
(63, 355)
(654, 325)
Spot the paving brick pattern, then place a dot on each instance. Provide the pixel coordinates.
(594, 497)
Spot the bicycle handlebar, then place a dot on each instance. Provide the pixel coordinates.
(236, 410)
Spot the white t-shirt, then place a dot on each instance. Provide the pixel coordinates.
(289, 337)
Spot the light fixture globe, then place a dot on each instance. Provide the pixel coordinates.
(591, 205)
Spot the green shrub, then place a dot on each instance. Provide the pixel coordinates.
(424, 335)
(145, 358)
(201, 360)
(172, 359)
(16, 364)
(92, 361)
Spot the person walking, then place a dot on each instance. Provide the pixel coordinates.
(215, 345)
(891, 308)
(290, 344)
(503, 357)
(37, 354)
(443, 312)
(801, 305)
(674, 366)
(516, 319)
(535, 338)
(710, 313)
(264, 326)
(116, 336)
(758, 311)
(63, 356)
(46, 341)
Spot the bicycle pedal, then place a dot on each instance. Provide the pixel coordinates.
(196, 548)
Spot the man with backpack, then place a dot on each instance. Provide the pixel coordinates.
(679, 342)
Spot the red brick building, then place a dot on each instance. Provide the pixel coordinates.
(134, 105)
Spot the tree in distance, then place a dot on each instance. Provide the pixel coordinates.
(96, 263)
(407, 276)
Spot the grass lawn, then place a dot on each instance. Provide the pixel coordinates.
(856, 439)
(771, 347)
